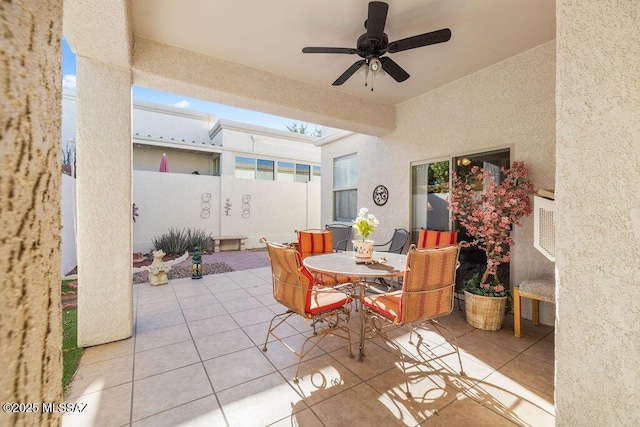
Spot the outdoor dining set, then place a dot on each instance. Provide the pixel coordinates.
(318, 279)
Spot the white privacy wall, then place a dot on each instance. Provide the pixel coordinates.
(68, 232)
(598, 214)
(272, 209)
(510, 104)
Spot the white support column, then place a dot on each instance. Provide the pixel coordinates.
(104, 185)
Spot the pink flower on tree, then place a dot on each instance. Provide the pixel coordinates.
(489, 215)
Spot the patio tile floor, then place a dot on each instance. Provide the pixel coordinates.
(196, 359)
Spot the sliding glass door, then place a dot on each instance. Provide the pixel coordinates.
(430, 183)
(429, 193)
(473, 260)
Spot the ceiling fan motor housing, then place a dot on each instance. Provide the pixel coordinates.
(371, 47)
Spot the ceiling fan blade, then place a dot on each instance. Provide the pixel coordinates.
(346, 50)
(420, 40)
(393, 69)
(350, 71)
(376, 19)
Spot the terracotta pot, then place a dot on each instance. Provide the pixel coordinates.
(486, 313)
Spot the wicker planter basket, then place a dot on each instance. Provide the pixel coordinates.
(486, 313)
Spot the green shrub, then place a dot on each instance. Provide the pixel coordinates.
(177, 242)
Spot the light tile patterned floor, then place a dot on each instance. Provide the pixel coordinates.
(196, 359)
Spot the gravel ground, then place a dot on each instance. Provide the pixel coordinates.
(180, 272)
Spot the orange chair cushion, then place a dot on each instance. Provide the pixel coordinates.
(293, 288)
(426, 305)
(314, 243)
(427, 288)
(386, 304)
(326, 300)
(436, 239)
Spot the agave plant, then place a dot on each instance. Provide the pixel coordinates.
(177, 242)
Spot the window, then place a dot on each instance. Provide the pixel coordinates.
(345, 187)
(245, 167)
(265, 169)
(316, 174)
(285, 171)
(251, 168)
(303, 173)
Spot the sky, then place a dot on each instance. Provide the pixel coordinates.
(144, 94)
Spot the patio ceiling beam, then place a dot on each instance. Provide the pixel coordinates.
(170, 69)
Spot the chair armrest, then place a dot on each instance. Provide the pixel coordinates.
(341, 243)
(388, 242)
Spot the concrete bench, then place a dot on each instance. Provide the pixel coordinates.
(217, 240)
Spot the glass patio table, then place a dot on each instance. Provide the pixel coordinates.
(385, 265)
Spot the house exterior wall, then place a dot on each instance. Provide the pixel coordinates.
(510, 104)
(176, 201)
(147, 158)
(162, 121)
(69, 123)
(598, 214)
(245, 140)
(242, 137)
(30, 108)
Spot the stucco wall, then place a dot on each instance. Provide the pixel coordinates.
(274, 209)
(598, 214)
(510, 104)
(30, 109)
(105, 309)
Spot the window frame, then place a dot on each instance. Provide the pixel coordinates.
(349, 186)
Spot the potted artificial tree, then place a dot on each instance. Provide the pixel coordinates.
(489, 215)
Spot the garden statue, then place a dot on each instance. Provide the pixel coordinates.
(196, 264)
(158, 269)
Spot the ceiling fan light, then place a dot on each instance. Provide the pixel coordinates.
(364, 71)
(375, 65)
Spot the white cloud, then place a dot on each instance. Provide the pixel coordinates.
(182, 104)
(69, 81)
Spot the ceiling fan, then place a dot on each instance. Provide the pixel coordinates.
(373, 44)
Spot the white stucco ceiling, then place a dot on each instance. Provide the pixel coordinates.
(269, 36)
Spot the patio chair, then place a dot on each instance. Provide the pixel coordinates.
(317, 242)
(426, 295)
(325, 307)
(429, 239)
(341, 234)
(395, 244)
